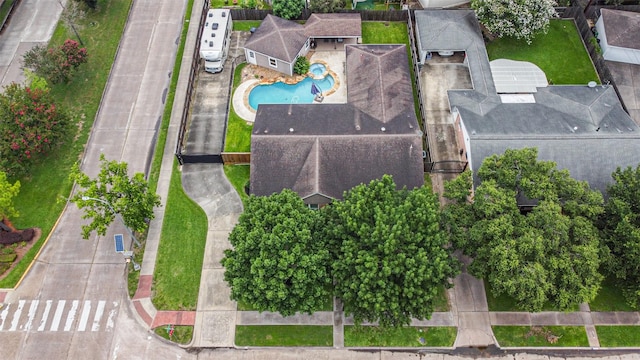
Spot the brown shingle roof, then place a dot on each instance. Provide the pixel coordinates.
(378, 81)
(278, 38)
(333, 25)
(622, 28)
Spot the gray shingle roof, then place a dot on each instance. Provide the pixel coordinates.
(278, 38)
(378, 81)
(330, 148)
(333, 25)
(583, 129)
(622, 28)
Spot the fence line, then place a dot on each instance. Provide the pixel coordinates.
(195, 65)
(366, 15)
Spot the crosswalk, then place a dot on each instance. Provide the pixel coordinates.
(58, 315)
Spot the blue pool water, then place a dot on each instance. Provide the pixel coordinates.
(281, 93)
(317, 69)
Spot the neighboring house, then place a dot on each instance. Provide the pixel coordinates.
(582, 128)
(278, 43)
(619, 35)
(322, 150)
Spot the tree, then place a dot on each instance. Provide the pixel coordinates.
(288, 9)
(7, 192)
(276, 264)
(55, 64)
(91, 4)
(521, 19)
(72, 13)
(550, 253)
(118, 193)
(301, 66)
(30, 126)
(391, 255)
(621, 229)
(326, 6)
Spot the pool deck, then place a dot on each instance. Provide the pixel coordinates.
(334, 60)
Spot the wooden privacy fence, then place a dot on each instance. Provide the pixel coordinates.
(235, 158)
(366, 15)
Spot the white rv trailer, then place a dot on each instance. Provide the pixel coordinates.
(216, 37)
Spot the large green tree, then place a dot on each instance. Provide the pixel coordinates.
(276, 264)
(56, 64)
(390, 252)
(521, 19)
(621, 228)
(548, 253)
(288, 9)
(31, 125)
(113, 193)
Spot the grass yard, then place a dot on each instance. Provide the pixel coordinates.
(238, 176)
(364, 336)
(245, 25)
(176, 280)
(284, 335)
(525, 336)
(384, 32)
(610, 298)
(181, 334)
(48, 182)
(506, 303)
(560, 54)
(619, 336)
(238, 136)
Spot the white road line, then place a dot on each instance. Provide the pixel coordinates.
(96, 318)
(86, 309)
(112, 313)
(71, 316)
(45, 315)
(3, 315)
(31, 314)
(16, 315)
(58, 315)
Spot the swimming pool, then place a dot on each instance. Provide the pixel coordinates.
(281, 93)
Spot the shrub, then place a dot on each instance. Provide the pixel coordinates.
(301, 66)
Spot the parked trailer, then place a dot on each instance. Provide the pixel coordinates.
(216, 38)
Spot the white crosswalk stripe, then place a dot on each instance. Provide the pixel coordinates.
(69, 315)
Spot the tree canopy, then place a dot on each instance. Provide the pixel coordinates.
(276, 263)
(326, 6)
(118, 193)
(621, 229)
(288, 9)
(521, 19)
(391, 255)
(550, 253)
(56, 64)
(30, 126)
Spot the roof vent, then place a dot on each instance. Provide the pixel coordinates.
(214, 26)
(210, 14)
(290, 130)
(213, 34)
(210, 43)
(357, 127)
(224, 14)
(383, 129)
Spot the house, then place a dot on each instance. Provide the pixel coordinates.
(619, 35)
(278, 43)
(582, 128)
(322, 150)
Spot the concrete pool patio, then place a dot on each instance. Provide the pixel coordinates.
(334, 61)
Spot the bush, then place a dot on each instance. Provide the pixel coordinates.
(27, 235)
(7, 238)
(301, 66)
(8, 258)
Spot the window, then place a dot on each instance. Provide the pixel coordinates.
(251, 54)
(313, 206)
(273, 62)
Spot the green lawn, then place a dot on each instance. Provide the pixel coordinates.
(364, 336)
(176, 280)
(560, 54)
(238, 136)
(524, 336)
(619, 336)
(238, 176)
(245, 25)
(610, 298)
(284, 335)
(506, 303)
(384, 32)
(181, 334)
(48, 182)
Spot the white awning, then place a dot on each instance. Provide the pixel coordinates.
(516, 77)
